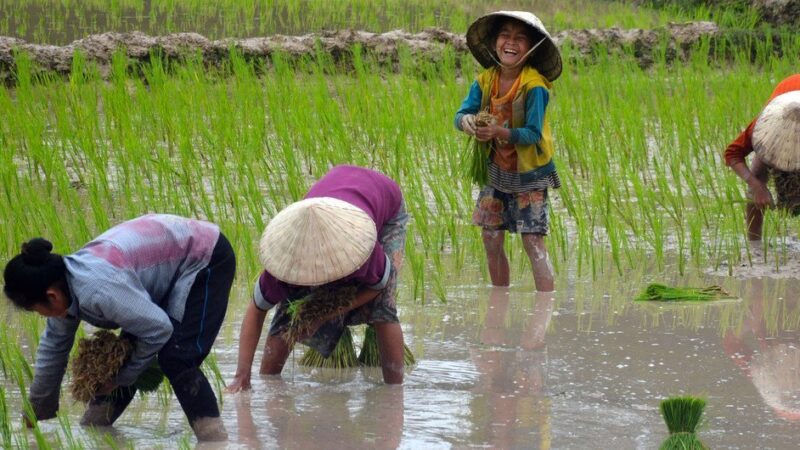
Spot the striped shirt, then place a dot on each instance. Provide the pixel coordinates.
(512, 183)
(136, 276)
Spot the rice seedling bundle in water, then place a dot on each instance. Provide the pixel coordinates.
(321, 304)
(682, 416)
(99, 359)
(370, 356)
(663, 293)
(342, 357)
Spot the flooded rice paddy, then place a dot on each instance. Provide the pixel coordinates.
(585, 367)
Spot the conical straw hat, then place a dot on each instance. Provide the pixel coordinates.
(776, 135)
(546, 58)
(316, 241)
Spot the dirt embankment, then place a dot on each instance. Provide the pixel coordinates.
(674, 40)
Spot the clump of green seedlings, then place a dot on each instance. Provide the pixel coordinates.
(663, 293)
(682, 416)
(322, 304)
(342, 357)
(478, 169)
(98, 361)
(370, 355)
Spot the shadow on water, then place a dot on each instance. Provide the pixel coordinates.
(585, 367)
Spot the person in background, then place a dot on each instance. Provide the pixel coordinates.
(163, 279)
(757, 174)
(521, 62)
(349, 230)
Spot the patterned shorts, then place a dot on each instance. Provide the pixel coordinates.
(523, 212)
(382, 309)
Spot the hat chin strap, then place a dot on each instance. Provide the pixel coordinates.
(521, 60)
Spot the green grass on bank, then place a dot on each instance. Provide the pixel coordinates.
(60, 22)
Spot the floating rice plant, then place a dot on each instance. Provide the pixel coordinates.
(663, 293)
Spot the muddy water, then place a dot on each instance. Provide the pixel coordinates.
(506, 368)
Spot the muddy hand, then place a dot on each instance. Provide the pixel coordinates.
(762, 198)
(239, 383)
(488, 132)
(468, 124)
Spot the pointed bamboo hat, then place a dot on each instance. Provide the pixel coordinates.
(316, 241)
(481, 35)
(776, 135)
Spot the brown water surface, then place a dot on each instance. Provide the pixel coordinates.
(582, 368)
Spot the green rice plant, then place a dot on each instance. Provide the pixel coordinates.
(682, 414)
(150, 379)
(6, 433)
(663, 293)
(342, 357)
(322, 304)
(370, 355)
(238, 18)
(683, 441)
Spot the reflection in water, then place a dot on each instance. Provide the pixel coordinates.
(330, 419)
(509, 408)
(766, 349)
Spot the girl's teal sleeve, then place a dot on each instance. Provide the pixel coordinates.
(471, 104)
(535, 106)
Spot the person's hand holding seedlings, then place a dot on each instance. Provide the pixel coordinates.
(468, 124)
(491, 131)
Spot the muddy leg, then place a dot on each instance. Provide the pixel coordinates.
(496, 256)
(276, 351)
(540, 262)
(104, 410)
(390, 347)
(754, 216)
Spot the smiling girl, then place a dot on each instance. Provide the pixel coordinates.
(521, 62)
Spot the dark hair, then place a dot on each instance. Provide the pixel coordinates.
(29, 274)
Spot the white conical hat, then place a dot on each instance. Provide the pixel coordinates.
(480, 40)
(776, 135)
(316, 241)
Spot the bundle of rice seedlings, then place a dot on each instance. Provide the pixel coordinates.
(683, 441)
(478, 166)
(322, 303)
(787, 188)
(682, 416)
(150, 379)
(660, 292)
(484, 119)
(99, 359)
(370, 356)
(342, 357)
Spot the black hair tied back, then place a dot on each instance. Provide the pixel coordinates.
(36, 251)
(28, 275)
